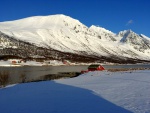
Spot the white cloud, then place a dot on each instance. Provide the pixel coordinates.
(129, 22)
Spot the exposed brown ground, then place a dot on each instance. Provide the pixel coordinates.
(129, 69)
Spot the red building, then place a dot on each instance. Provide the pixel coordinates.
(96, 67)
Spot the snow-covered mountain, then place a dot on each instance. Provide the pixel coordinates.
(67, 35)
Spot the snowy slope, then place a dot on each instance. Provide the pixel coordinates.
(66, 34)
(94, 92)
(141, 43)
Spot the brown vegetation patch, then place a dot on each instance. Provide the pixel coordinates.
(61, 75)
(4, 76)
(127, 69)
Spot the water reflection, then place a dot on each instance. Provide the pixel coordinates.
(32, 73)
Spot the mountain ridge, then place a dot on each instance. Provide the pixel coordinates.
(65, 34)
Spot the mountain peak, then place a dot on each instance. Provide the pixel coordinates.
(125, 32)
(39, 22)
(100, 29)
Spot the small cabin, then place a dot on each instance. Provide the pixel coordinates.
(96, 67)
(16, 61)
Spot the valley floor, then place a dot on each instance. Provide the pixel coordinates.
(93, 92)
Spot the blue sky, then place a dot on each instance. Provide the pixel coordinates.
(114, 15)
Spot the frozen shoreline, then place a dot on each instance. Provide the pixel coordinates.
(53, 63)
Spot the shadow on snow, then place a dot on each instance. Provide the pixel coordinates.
(51, 97)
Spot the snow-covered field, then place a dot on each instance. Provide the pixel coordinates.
(94, 92)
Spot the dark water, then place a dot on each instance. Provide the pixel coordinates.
(31, 73)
